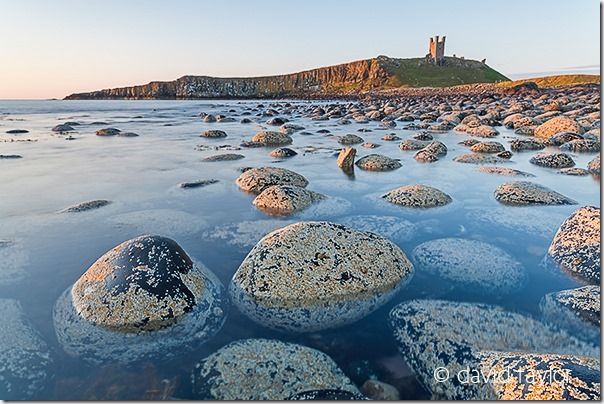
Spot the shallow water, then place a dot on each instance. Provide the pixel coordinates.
(218, 224)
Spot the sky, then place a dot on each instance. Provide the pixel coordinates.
(49, 49)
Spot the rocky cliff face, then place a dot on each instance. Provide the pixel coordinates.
(343, 79)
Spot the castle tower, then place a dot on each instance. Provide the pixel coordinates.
(437, 50)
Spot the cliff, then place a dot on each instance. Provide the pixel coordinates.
(339, 80)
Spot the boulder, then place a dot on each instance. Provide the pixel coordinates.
(213, 133)
(24, 357)
(557, 125)
(594, 165)
(439, 339)
(283, 152)
(479, 158)
(142, 299)
(543, 377)
(350, 139)
(527, 193)
(108, 132)
(264, 369)
(311, 276)
(255, 180)
(223, 157)
(462, 263)
(576, 245)
(527, 144)
(377, 162)
(346, 159)
(268, 138)
(88, 205)
(487, 147)
(504, 171)
(62, 128)
(552, 160)
(576, 310)
(581, 146)
(417, 196)
(282, 200)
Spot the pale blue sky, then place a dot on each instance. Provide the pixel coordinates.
(53, 48)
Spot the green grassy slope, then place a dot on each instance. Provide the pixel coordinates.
(420, 73)
(556, 81)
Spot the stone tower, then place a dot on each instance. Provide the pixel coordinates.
(437, 50)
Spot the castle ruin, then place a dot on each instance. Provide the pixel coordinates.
(437, 50)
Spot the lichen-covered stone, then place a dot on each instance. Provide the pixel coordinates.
(431, 152)
(479, 131)
(346, 159)
(378, 162)
(224, 157)
(140, 298)
(214, 133)
(573, 171)
(576, 245)
(527, 144)
(563, 137)
(88, 205)
(263, 369)
(62, 128)
(528, 193)
(283, 152)
(350, 139)
(417, 196)
(24, 356)
(412, 144)
(255, 180)
(479, 158)
(433, 334)
(197, 184)
(282, 200)
(504, 171)
(107, 132)
(487, 147)
(269, 138)
(544, 377)
(311, 276)
(581, 146)
(594, 165)
(327, 395)
(557, 125)
(576, 310)
(462, 262)
(552, 160)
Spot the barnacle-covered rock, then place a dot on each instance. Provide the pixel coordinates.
(24, 356)
(528, 193)
(255, 180)
(311, 276)
(527, 144)
(576, 245)
(263, 369)
(142, 298)
(462, 262)
(377, 162)
(284, 200)
(576, 310)
(417, 196)
(436, 334)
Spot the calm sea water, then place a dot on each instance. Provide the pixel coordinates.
(218, 224)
